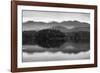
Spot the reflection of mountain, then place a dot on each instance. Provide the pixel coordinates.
(65, 48)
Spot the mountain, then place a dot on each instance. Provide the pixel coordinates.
(81, 29)
(74, 29)
(61, 28)
(75, 23)
(30, 25)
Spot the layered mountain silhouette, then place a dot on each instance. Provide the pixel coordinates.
(56, 34)
(30, 25)
(70, 23)
(70, 29)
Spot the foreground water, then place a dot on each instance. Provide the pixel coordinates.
(68, 51)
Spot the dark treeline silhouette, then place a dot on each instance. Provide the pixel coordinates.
(52, 38)
(78, 37)
(28, 37)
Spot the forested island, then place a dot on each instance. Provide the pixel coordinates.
(52, 38)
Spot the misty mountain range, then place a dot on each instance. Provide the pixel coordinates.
(65, 25)
(75, 31)
(73, 23)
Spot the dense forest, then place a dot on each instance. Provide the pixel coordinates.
(52, 38)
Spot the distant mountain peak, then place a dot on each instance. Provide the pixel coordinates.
(61, 28)
(64, 25)
(55, 22)
(29, 22)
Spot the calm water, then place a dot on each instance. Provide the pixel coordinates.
(68, 51)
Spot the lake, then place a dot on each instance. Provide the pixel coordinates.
(68, 51)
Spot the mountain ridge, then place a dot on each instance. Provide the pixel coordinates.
(67, 24)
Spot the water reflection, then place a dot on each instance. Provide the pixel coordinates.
(65, 48)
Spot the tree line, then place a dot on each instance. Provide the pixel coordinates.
(54, 38)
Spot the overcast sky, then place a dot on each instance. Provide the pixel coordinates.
(46, 16)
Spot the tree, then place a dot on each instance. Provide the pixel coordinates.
(50, 38)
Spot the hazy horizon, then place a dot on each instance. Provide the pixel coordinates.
(49, 16)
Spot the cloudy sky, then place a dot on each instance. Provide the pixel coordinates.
(45, 16)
